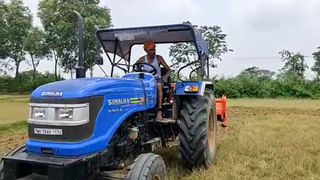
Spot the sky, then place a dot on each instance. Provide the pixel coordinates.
(257, 29)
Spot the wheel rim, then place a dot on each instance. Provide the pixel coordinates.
(211, 134)
(156, 177)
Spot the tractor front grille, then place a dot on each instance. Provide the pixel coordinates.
(69, 133)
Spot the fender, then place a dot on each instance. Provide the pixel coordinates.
(202, 85)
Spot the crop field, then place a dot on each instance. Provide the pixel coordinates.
(265, 139)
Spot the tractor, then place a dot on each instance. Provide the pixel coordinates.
(88, 128)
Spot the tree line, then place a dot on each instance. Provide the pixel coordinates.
(290, 82)
(55, 39)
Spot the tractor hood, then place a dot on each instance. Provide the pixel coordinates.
(86, 87)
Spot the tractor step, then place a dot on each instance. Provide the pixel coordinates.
(166, 121)
(152, 144)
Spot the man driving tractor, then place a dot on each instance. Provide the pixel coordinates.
(155, 61)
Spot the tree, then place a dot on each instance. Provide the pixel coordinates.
(18, 21)
(36, 47)
(316, 67)
(294, 63)
(257, 72)
(5, 67)
(3, 30)
(59, 22)
(183, 53)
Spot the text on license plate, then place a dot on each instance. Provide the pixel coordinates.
(47, 131)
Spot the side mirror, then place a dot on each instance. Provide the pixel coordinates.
(99, 60)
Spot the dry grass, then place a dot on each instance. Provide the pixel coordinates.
(265, 139)
(276, 103)
(13, 108)
(13, 114)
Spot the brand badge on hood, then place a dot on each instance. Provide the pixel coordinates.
(52, 93)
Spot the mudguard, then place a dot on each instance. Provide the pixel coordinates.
(202, 85)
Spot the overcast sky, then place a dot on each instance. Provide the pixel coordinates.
(257, 29)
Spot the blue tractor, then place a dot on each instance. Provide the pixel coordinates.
(89, 127)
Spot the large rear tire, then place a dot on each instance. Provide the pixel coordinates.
(147, 166)
(198, 130)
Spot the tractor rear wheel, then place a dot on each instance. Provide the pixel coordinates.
(198, 130)
(147, 166)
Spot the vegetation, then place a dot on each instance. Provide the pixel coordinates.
(255, 82)
(316, 67)
(248, 85)
(17, 20)
(20, 41)
(25, 82)
(61, 30)
(184, 53)
(37, 48)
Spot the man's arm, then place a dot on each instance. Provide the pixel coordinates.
(165, 65)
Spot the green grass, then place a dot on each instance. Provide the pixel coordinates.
(265, 139)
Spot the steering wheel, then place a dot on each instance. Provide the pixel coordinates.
(139, 67)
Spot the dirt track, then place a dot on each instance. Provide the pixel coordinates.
(11, 141)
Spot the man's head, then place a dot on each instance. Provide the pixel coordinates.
(150, 48)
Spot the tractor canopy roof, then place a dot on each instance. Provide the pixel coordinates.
(120, 41)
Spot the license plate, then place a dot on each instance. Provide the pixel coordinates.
(46, 131)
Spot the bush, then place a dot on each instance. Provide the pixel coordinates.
(252, 86)
(24, 82)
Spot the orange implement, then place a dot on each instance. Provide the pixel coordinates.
(221, 109)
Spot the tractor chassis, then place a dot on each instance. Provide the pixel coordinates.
(21, 165)
(18, 164)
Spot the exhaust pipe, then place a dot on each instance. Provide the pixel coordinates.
(80, 70)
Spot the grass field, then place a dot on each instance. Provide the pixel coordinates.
(265, 139)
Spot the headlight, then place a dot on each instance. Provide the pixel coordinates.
(59, 114)
(191, 89)
(38, 113)
(64, 113)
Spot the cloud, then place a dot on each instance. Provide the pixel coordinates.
(260, 15)
(147, 12)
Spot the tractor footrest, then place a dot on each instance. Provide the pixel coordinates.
(152, 144)
(166, 121)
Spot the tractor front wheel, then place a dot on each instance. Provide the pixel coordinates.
(1, 169)
(198, 130)
(147, 166)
